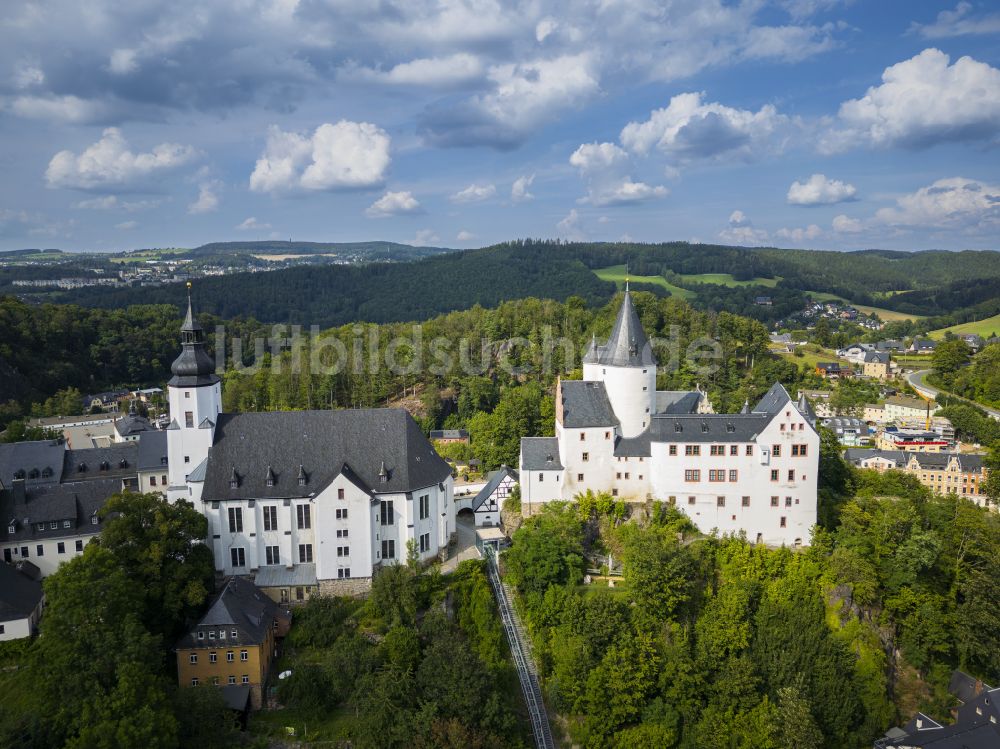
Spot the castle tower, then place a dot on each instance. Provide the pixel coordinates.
(627, 367)
(195, 397)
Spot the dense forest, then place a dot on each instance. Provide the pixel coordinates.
(709, 641)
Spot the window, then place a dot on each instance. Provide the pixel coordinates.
(692, 475)
(152, 480)
(233, 634)
(607, 435)
(235, 519)
(774, 475)
(672, 450)
(344, 572)
(305, 553)
(424, 502)
(788, 501)
(583, 436)
(238, 556)
(39, 550)
(193, 658)
(749, 449)
(672, 500)
(541, 477)
(303, 516)
(614, 492)
(746, 501)
(232, 679)
(717, 475)
(425, 542)
(774, 501)
(340, 493)
(586, 457)
(271, 555)
(343, 551)
(717, 450)
(579, 477)
(720, 501)
(783, 522)
(246, 679)
(61, 547)
(342, 514)
(79, 545)
(189, 419)
(691, 500)
(389, 549)
(211, 635)
(734, 450)
(94, 520)
(776, 451)
(387, 513)
(342, 532)
(791, 475)
(24, 551)
(215, 681)
(733, 474)
(799, 451)
(692, 449)
(194, 681)
(213, 657)
(270, 518)
(244, 655)
(230, 657)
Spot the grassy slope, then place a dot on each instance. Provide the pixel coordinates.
(616, 273)
(726, 279)
(985, 328)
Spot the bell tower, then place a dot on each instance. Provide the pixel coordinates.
(195, 397)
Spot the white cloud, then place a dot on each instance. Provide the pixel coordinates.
(569, 227)
(123, 61)
(109, 163)
(846, 225)
(28, 76)
(818, 190)
(544, 28)
(208, 198)
(425, 237)
(66, 108)
(252, 224)
(345, 155)
(605, 168)
(104, 203)
(950, 203)
(127, 225)
(465, 236)
(922, 101)
(741, 231)
(519, 191)
(959, 22)
(474, 193)
(800, 234)
(690, 129)
(394, 204)
(447, 71)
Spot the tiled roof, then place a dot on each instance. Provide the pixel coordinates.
(496, 477)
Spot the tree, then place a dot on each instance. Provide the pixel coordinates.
(394, 596)
(659, 574)
(992, 465)
(949, 356)
(203, 719)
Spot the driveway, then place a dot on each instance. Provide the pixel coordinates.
(465, 543)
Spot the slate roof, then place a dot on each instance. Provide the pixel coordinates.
(677, 401)
(198, 474)
(977, 726)
(19, 594)
(585, 404)
(321, 443)
(118, 459)
(627, 346)
(880, 357)
(969, 463)
(966, 688)
(495, 479)
(449, 434)
(773, 401)
(240, 606)
(152, 450)
(29, 457)
(856, 454)
(279, 576)
(540, 454)
(193, 367)
(132, 424)
(708, 427)
(633, 447)
(77, 501)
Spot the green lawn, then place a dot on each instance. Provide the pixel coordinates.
(887, 315)
(985, 328)
(616, 273)
(726, 279)
(812, 355)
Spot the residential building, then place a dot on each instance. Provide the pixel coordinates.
(939, 425)
(85, 430)
(488, 502)
(447, 436)
(107, 401)
(303, 500)
(850, 431)
(874, 413)
(855, 353)
(820, 402)
(153, 462)
(833, 370)
(234, 644)
(919, 441)
(753, 472)
(946, 473)
(922, 346)
(129, 427)
(877, 365)
(907, 407)
(21, 600)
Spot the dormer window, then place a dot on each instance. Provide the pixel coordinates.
(269, 479)
(12, 527)
(81, 468)
(33, 474)
(303, 479)
(123, 463)
(46, 472)
(104, 465)
(93, 520)
(234, 479)
(19, 473)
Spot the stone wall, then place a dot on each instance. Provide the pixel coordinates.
(352, 587)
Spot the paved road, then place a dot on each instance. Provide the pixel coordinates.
(465, 544)
(916, 380)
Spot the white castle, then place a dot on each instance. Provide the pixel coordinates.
(755, 471)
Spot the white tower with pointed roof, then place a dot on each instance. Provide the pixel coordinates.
(627, 367)
(195, 397)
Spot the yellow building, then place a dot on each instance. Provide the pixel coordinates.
(234, 644)
(876, 365)
(944, 473)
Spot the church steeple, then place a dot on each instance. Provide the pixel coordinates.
(627, 346)
(194, 367)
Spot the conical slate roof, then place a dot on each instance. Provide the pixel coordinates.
(194, 367)
(628, 345)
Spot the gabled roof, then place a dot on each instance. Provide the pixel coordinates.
(773, 401)
(120, 459)
(876, 357)
(30, 457)
(321, 443)
(857, 454)
(633, 447)
(628, 345)
(132, 424)
(585, 404)
(240, 606)
(77, 501)
(19, 594)
(677, 401)
(152, 450)
(708, 427)
(540, 454)
(495, 479)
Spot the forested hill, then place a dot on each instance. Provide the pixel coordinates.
(334, 295)
(927, 283)
(376, 250)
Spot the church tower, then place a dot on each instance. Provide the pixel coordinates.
(627, 367)
(195, 397)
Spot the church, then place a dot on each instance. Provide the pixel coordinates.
(303, 502)
(753, 472)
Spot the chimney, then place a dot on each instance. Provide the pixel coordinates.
(17, 491)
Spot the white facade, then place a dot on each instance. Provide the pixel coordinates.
(631, 391)
(193, 413)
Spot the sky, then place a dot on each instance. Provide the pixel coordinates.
(824, 124)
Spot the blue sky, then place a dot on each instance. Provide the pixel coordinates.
(796, 123)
